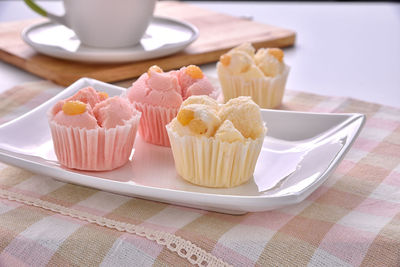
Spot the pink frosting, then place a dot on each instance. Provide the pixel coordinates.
(86, 95)
(113, 111)
(84, 120)
(106, 113)
(200, 87)
(191, 86)
(57, 107)
(158, 89)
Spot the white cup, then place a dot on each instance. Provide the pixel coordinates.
(104, 23)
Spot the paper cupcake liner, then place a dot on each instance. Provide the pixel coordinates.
(267, 92)
(153, 122)
(212, 163)
(95, 149)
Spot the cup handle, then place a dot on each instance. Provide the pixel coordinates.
(44, 13)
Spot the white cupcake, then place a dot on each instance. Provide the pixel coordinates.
(216, 146)
(261, 75)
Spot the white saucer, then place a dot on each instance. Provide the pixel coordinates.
(164, 36)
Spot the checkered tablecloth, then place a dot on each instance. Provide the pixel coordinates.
(353, 219)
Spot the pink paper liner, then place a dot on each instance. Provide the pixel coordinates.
(96, 149)
(153, 122)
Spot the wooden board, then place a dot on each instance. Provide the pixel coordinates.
(218, 33)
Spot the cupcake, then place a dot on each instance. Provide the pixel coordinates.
(261, 75)
(158, 95)
(92, 131)
(216, 146)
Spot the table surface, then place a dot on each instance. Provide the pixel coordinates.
(342, 49)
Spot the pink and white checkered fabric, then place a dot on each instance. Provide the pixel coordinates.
(351, 220)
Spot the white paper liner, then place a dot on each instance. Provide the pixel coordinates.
(212, 163)
(267, 92)
(153, 122)
(96, 149)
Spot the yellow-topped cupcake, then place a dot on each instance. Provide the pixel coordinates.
(216, 146)
(262, 74)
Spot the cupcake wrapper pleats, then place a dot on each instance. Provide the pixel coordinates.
(267, 92)
(153, 122)
(212, 163)
(96, 149)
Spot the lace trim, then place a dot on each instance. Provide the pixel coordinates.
(182, 247)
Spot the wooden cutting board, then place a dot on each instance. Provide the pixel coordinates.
(218, 33)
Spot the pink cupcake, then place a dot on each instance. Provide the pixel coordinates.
(93, 132)
(158, 95)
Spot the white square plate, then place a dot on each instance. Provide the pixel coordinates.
(299, 152)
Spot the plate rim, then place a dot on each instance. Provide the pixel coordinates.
(110, 55)
(290, 198)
